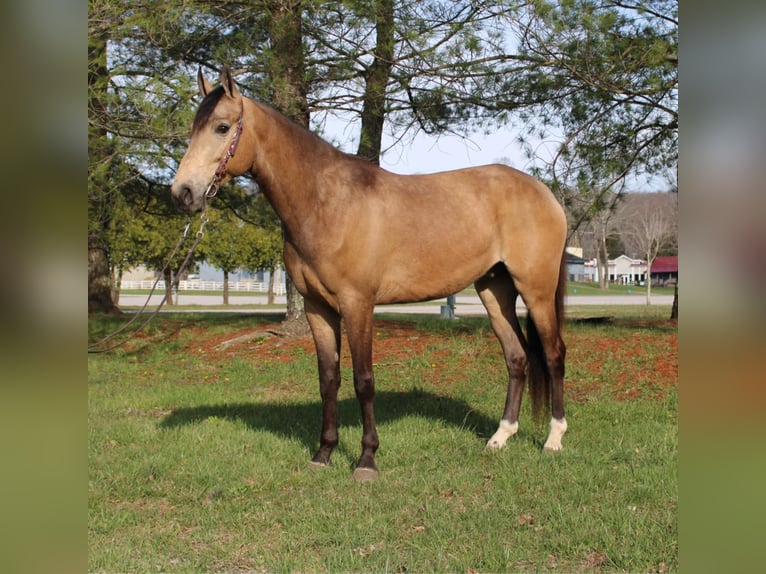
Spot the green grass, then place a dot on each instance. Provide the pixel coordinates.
(198, 459)
(577, 288)
(619, 312)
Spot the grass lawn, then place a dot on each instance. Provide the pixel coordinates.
(198, 453)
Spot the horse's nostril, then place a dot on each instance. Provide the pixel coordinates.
(183, 197)
(186, 196)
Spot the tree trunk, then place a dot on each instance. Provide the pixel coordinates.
(376, 81)
(100, 280)
(295, 323)
(285, 63)
(674, 310)
(116, 285)
(648, 280)
(602, 260)
(167, 275)
(100, 277)
(270, 294)
(225, 287)
(286, 70)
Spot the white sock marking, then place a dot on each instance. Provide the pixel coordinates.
(504, 431)
(558, 428)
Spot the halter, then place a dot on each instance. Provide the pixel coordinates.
(212, 189)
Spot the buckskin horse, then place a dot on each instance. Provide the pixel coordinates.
(356, 235)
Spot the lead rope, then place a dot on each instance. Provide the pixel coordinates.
(96, 347)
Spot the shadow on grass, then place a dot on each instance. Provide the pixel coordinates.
(302, 420)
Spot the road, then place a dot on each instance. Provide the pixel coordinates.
(466, 306)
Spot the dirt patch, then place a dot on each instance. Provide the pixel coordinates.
(392, 342)
(636, 362)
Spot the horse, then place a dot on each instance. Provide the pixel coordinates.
(356, 235)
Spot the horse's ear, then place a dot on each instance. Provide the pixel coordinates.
(205, 87)
(227, 81)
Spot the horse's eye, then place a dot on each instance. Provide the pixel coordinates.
(221, 129)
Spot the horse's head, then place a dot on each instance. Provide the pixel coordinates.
(215, 138)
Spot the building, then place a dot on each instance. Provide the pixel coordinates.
(623, 270)
(575, 267)
(665, 270)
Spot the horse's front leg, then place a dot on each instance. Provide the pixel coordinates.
(359, 331)
(325, 327)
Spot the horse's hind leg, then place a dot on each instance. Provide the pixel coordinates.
(498, 294)
(545, 339)
(325, 327)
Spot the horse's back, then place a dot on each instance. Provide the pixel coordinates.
(441, 232)
(495, 201)
(498, 186)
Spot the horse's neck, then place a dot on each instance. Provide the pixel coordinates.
(286, 165)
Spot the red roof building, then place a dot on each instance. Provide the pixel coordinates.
(665, 270)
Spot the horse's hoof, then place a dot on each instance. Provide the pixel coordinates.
(318, 464)
(365, 474)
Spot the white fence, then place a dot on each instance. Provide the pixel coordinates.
(248, 286)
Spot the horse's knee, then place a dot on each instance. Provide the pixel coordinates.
(364, 386)
(517, 366)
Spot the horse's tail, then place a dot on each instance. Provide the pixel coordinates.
(539, 376)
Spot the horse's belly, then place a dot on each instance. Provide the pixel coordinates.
(430, 278)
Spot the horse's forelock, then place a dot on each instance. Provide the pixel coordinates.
(206, 108)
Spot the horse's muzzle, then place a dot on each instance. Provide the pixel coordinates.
(184, 199)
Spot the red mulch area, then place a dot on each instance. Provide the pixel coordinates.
(641, 362)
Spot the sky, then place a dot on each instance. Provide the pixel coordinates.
(429, 154)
